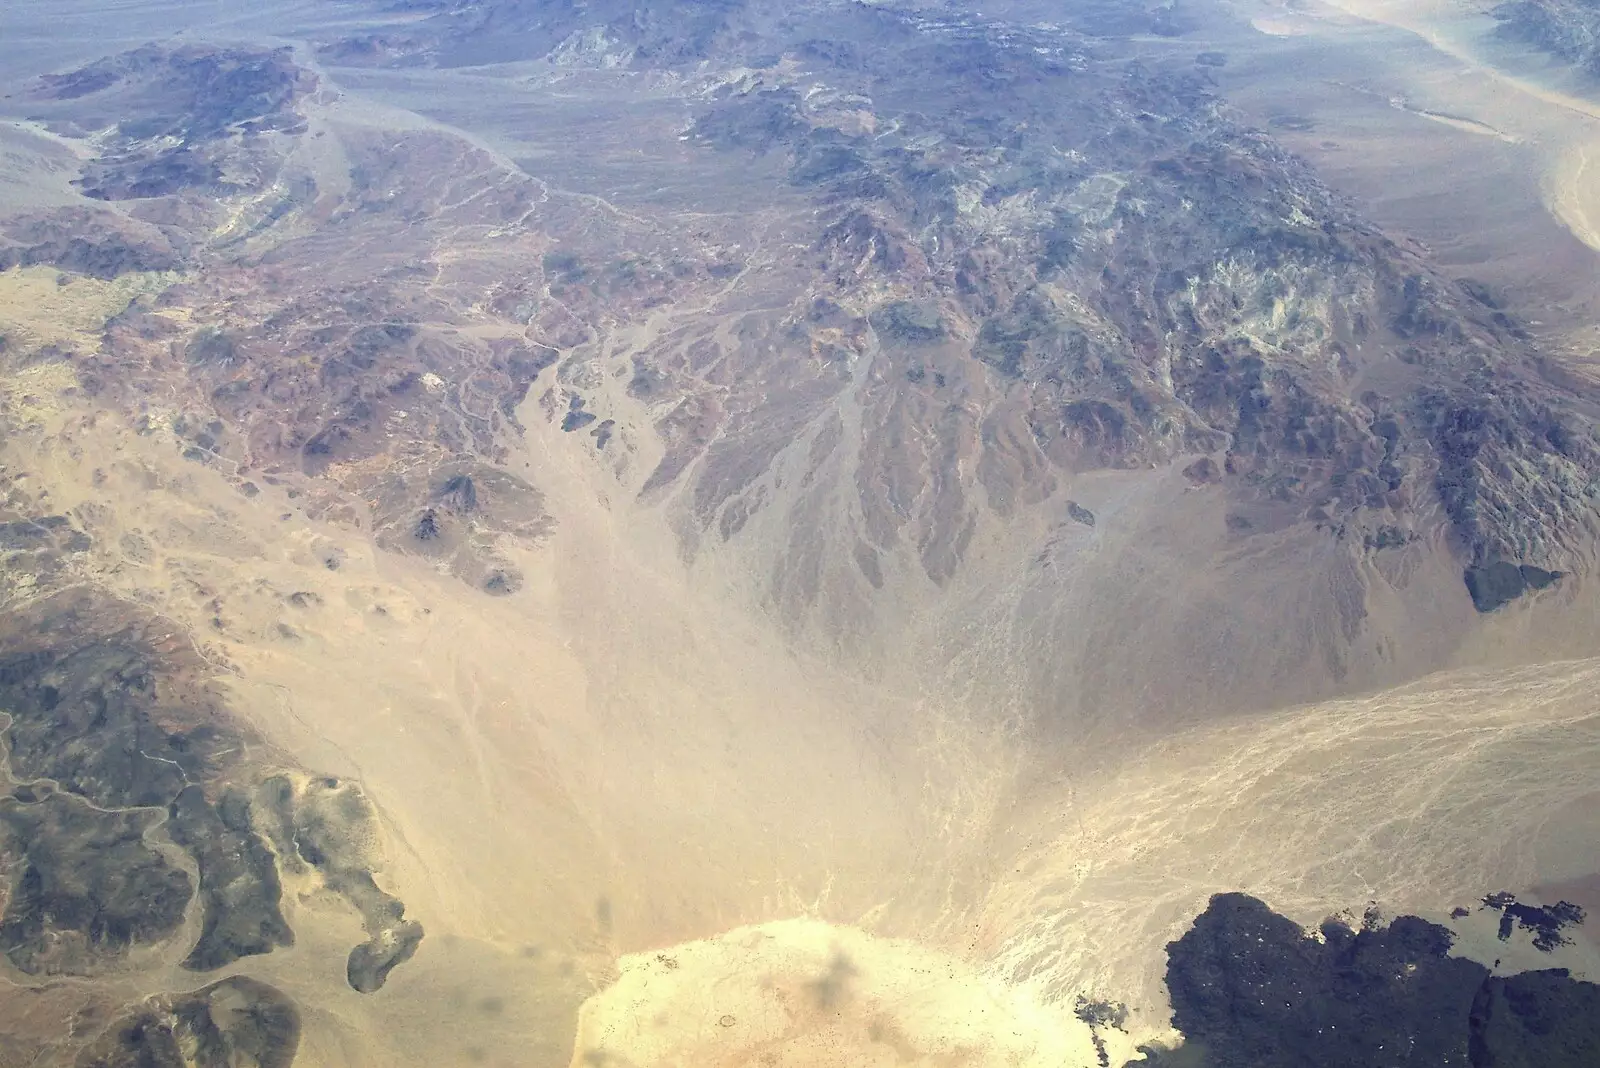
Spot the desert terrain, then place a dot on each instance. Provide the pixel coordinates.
(542, 538)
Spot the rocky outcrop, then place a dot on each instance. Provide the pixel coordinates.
(174, 119)
(1250, 987)
(235, 1021)
(132, 799)
(604, 35)
(1121, 275)
(1498, 583)
(100, 244)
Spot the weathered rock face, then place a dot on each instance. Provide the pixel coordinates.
(109, 726)
(1500, 583)
(89, 889)
(99, 244)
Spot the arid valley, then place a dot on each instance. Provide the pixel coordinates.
(543, 533)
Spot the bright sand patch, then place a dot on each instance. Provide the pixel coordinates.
(801, 992)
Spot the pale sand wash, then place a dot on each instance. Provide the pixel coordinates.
(37, 167)
(1566, 124)
(1418, 798)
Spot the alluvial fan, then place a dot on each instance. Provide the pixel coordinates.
(739, 533)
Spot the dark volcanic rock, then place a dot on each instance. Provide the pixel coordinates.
(427, 527)
(648, 33)
(1253, 989)
(1501, 582)
(457, 494)
(91, 714)
(108, 717)
(238, 1021)
(371, 962)
(1547, 922)
(908, 321)
(183, 117)
(190, 93)
(521, 365)
(100, 244)
(760, 122)
(1250, 989)
(1516, 475)
(85, 886)
(1099, 1014)
(458, 513)
(576, 420)
(1541, 1019)
(37, 552)
(238, 879)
